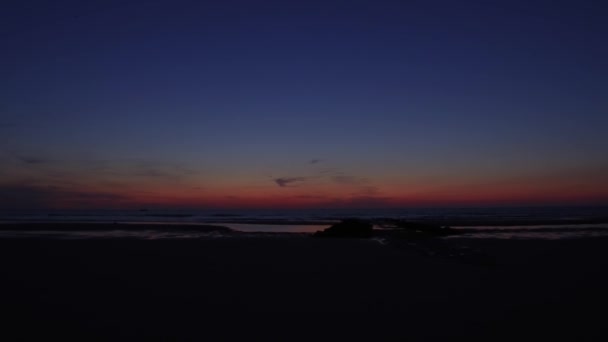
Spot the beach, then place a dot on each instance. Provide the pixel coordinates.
(295, 287)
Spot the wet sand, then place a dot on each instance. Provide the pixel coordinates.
(293, 287)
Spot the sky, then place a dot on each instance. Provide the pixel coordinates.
(302, 104)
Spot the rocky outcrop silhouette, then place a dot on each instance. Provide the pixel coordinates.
(351, 228)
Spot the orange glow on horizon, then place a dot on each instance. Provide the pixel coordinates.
(330, 195)
(166, 199)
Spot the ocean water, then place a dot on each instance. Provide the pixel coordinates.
(544, 232)
(563, 214)
(503, 222)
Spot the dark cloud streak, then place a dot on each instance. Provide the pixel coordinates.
(26, 196)
(33, 160)
(288, 181)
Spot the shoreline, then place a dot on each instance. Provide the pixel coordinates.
(152, 231)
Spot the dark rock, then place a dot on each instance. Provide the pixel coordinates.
(348, 228)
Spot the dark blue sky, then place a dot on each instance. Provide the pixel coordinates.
(411, 100)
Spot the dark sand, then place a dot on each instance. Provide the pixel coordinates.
(290, 288)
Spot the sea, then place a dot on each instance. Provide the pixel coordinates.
(556, 222)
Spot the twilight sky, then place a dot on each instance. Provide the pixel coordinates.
(120, 104)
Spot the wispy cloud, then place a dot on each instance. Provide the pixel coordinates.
(158, 173)
(361, 202)
(128, 169)
(368, 201)
(288, 181)
(315, 161)
(367, 191)
(314, 197)
(27, 196)
(33, 160)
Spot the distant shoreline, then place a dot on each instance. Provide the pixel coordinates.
(189, 231)
(452, 222)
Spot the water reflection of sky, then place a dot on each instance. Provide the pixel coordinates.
(544, 232)
(275, 228)
(157, 234)
(110, 234)
(529, 227)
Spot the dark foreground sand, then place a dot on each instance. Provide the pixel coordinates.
(304, 289)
